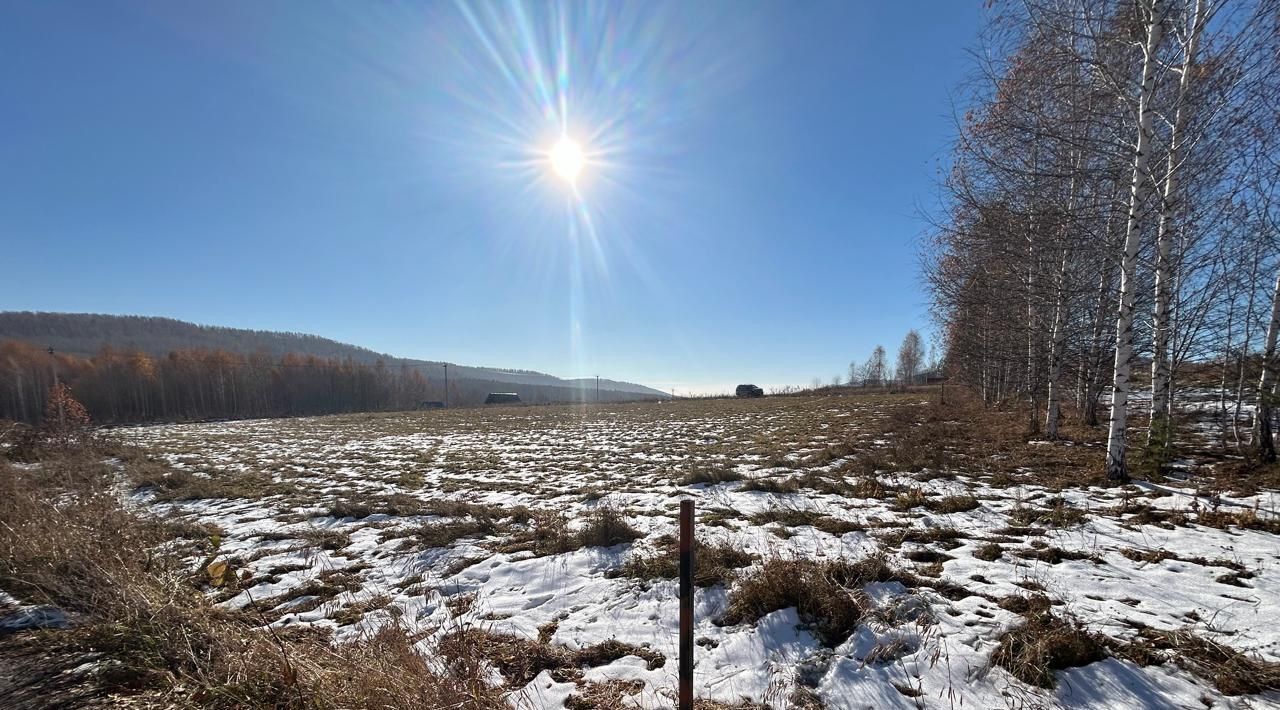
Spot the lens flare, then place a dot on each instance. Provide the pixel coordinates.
(575, 119)
(567, 159)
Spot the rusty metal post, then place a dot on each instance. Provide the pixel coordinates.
(686, 605)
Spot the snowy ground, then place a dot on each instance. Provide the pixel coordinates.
(338, 541)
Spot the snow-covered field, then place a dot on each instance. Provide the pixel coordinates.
(352, 522)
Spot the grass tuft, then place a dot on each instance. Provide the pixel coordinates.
(713, 564)
(827, 595)
(1044, 644)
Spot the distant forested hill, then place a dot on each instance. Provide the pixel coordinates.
(86, 333)
(83, 335)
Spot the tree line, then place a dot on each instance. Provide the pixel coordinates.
(1111, 202)
(121, 385)
(128, 385)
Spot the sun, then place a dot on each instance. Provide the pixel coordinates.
(567, 159)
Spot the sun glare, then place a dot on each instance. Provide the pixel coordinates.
(567, 159)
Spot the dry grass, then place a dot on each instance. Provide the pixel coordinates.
(520, 660)
(928, 439)
(989, 552)
(1249, 519)
(604, 696)
(947, 537)
(1060, 514)
(772, 484)
(713, 564)
(66, 541)
(1055, 555)
(795, 517)
(827, 595)
(1231, 672)
(707, 474)
(1044, 644)
(607, 526)
(319, 538)
(936, 436)
(355, 611)
(952, 504)
(1148, 556)
(548, 532)
(173, 484)
(908, 499)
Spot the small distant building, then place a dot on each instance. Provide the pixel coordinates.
(432, 404)
(749, 391)
(502, 398)
(934, 380)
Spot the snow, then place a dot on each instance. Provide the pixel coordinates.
(565, 459)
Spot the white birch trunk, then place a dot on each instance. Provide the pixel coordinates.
(1158, 433)
(1093, 387)
(1116, 468)
(1242, 358)
(1263, 443)
(1223, 389)
(1058, 339)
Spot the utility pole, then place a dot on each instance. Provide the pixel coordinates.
(446, 385)
(597, 389)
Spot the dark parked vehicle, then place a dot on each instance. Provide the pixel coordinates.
(502, 398)
(749, 391)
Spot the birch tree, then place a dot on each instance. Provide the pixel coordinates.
(1139, 191)
(1159, 434)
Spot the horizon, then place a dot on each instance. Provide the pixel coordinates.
(678, 389)
(745, 185)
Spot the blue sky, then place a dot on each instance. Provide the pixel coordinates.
(376, 173)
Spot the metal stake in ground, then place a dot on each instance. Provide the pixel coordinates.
(686, 605)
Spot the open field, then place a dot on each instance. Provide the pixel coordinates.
(855, 552)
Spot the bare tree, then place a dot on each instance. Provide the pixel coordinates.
(875, 370)
(910, 356)
(1159, 434)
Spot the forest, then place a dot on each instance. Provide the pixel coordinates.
(1111, 202)
(124, 385)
